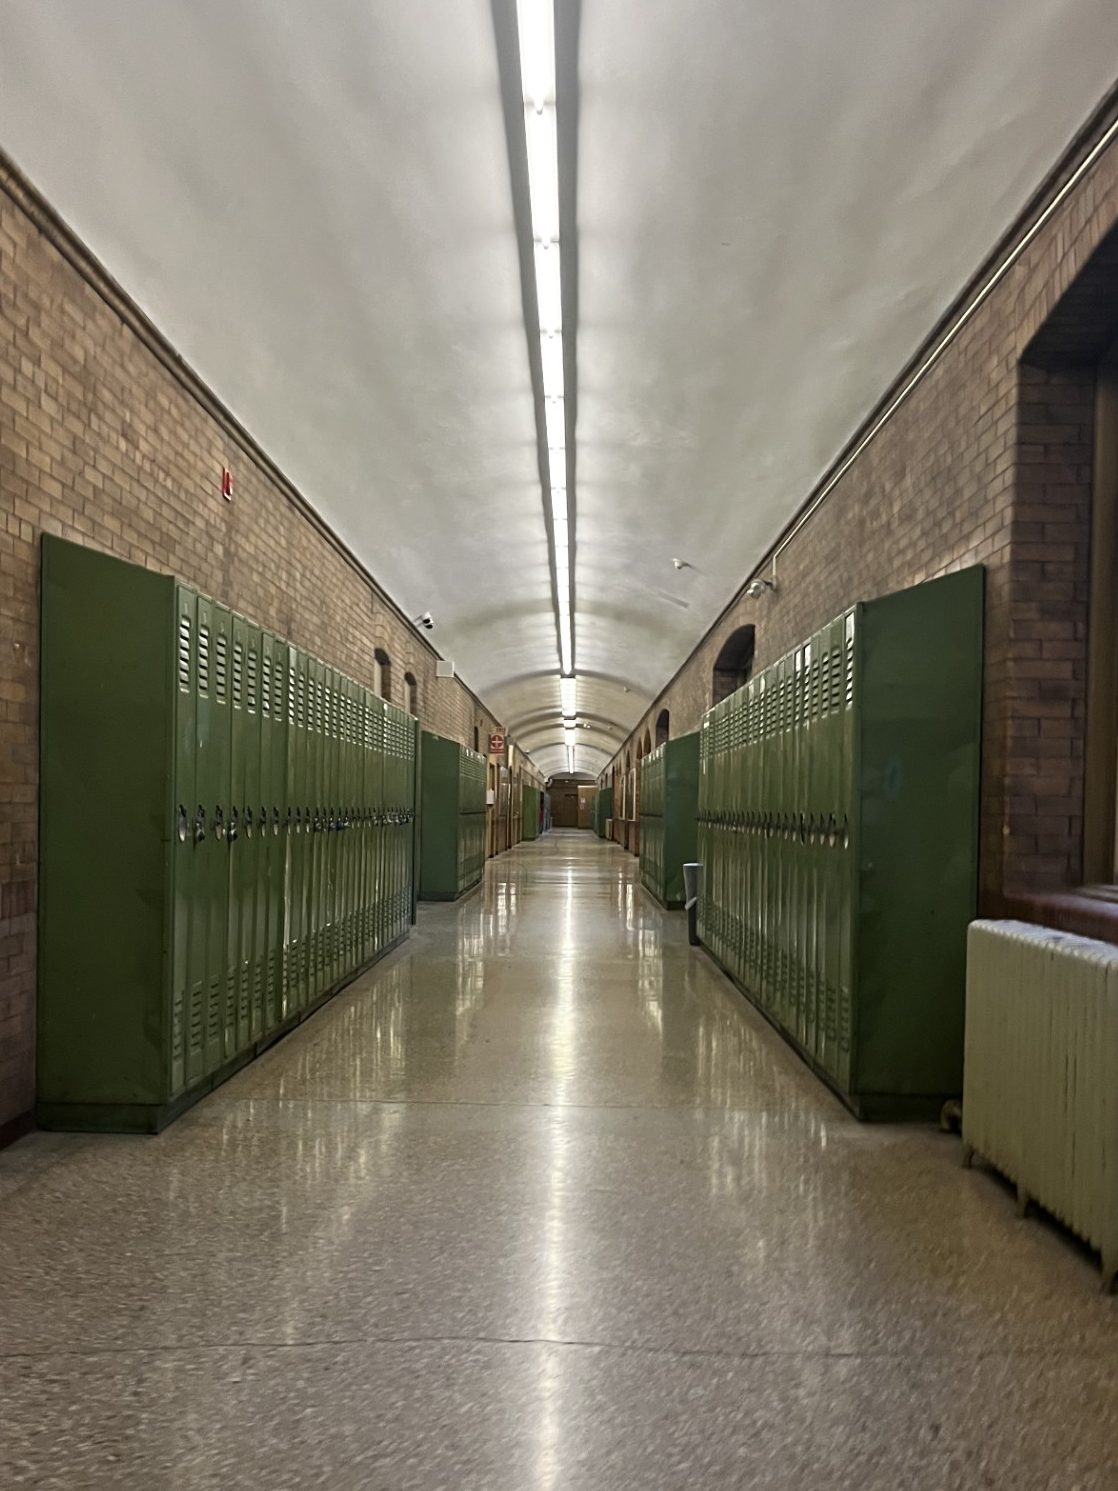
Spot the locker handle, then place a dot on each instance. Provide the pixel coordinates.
(199, 824)
(182, 824)
(248, 823)
(232, 832)
(275, 821)
(219, 823)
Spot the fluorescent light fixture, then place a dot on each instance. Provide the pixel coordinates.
(549, 294)
(543, 171)
(551, 359)
(536, 25)
(535, 21)
(570, 758)
(553, 413)
(567, 695)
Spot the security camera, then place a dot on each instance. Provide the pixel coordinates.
(757, 588)
(426, 621)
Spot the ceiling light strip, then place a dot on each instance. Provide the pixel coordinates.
(536, 28)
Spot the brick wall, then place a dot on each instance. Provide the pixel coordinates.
(988, 461)
(105, 441)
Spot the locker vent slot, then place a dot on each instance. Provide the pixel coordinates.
(291, 696)
(221, 667)
(265, 688)
(238, 674)
(850, 670)
(214, 1003)
(203, 659)
(252, 678)
(184, 652)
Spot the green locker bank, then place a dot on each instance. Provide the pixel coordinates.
(451, 819)
(669, 806)
(603, 811)
(226, 839)
(838, 805)
(530, 817)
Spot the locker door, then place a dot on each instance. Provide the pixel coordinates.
(411, 780)
(336, 835)
(379, 789)
(326, 836)
(299, 832)
(213, 782)
(356, 776)
(186, 1004)
(411, 777)
(268, 922)
(847, 850)
(235, 1035)
(312, 832)
(392, 796)
(832, 803)
(342, 962)
(351, 798)
(363, 827)
(252, 845)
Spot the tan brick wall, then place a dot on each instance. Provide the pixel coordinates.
(101, 442)
(988, 461)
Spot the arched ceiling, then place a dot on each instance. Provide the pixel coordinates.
(775, 202)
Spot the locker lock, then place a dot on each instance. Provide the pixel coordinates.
(183, 825)
(275, 821)
(199, 824)
(219, 823)
(231, 832)
(248, 823)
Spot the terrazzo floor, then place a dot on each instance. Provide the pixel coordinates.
(540, 1202)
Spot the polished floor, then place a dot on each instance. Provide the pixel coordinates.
(539, 1202)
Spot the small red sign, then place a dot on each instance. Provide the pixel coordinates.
(497, 744)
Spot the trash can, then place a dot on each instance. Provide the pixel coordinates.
(692, 879)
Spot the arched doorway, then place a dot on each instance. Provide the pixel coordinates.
(734, 663)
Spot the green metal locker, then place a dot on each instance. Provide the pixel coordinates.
(845, 850)
(669, 804)
(201, 874)
(530, 813)
(452, 819)
(603, 811)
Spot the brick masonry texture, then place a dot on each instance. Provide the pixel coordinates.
(989, 461)
(102, 443)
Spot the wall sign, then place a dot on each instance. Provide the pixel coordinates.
(497, 743)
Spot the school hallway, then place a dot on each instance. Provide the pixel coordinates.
(539, 1201)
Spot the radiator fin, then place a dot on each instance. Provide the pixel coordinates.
(1040, 1082)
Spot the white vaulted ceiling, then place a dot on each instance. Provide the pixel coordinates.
(776, 201)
